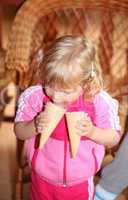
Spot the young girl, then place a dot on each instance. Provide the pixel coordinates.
(70, 79)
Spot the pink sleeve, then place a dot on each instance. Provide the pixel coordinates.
(106, 111)
(29, 104)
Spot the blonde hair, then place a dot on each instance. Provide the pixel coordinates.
(70, 61)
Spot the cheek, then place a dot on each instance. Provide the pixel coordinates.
(49, 93)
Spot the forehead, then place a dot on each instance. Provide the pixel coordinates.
(64, 81)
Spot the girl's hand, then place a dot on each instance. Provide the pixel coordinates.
(85, 127)
(41, 121)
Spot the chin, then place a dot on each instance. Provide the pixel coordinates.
(64, 105)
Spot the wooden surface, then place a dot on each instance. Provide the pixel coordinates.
(7, 161)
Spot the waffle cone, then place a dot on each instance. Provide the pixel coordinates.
(72, 118)
(55, 114)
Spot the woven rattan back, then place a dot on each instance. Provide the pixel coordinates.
(38, 22)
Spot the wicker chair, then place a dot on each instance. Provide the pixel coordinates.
(39, 22)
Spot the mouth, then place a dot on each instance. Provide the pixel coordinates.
(62, 104)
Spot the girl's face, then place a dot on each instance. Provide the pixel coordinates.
(63, 97)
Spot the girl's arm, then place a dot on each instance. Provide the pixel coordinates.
(25, 130)
(30, 104)
(32, 127)
(107, 137)
(106, 128)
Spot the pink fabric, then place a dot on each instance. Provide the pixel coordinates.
(30, 103)
(106, 111)
(50, 160)
(42, 190)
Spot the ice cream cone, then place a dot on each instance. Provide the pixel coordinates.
(72, 118)
(55, 114)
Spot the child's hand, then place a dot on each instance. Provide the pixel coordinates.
(85, 127)
(41, 121)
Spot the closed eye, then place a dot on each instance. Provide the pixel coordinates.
(69, 92)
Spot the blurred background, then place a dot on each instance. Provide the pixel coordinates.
(28, 27)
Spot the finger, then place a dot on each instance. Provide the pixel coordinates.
(42, 120)
(81, 133)
(85, 120)
(40, 129)
(84, 130)
(86, 123)
(42, 115)
(44, 125)
(82, 125)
